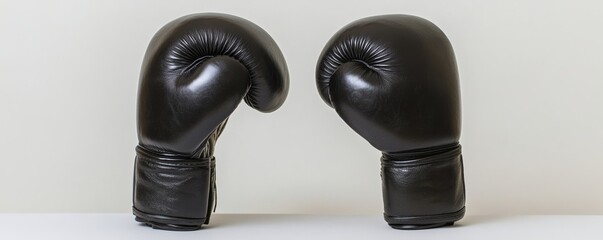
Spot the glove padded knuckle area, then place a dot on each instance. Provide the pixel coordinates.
(385, 44)
(350, 47)
(188, 41)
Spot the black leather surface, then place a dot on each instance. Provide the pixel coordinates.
(393, 79)
(196, 71)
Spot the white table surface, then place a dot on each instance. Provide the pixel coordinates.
(285, 227)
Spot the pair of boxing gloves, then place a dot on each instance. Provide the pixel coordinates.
(393, 79)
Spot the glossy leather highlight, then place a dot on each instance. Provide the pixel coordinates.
(196, 71)
(393, 79)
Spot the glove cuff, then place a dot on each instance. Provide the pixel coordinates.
(424, 192)
(173, 192)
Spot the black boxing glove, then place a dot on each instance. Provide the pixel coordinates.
(196, 71)
(393, 79)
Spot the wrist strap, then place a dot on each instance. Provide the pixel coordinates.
(389, 160)
(174, 160)
(172, 189)
(427, 189)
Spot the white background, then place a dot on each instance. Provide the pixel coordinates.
(531, 76)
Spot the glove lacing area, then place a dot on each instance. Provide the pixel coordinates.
(208, 153)
(423, 189)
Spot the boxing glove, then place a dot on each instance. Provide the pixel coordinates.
(393, 79)
(195, 72)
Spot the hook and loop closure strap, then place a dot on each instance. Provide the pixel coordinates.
(387, 160)
(174, 160)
